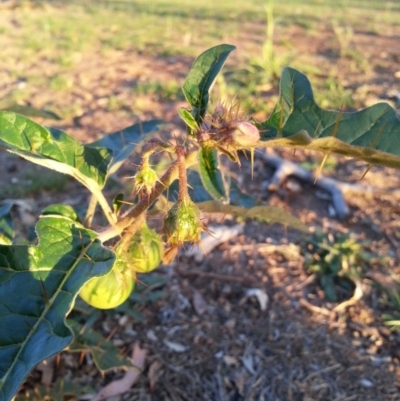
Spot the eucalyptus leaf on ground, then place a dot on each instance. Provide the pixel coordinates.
(372, 134)
(49, 276)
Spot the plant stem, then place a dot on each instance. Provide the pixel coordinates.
(132, 214)
(183, 190)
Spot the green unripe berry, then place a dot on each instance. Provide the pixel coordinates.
(111, 290)
(145, 251)
(182, 223)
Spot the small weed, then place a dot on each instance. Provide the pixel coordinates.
(170, 91)
(334, 95)
(337, 261)
(61, 83)
(34, 181)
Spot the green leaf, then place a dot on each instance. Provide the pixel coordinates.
(125, 141)
(61, 210)
(211, 176)
(269, 214)
(6, 224)
(201, 77)
(38, 285)
(198, 193)
(118, 201)
(372, 134)
(189, 120)
(105, 354)
(54, 149)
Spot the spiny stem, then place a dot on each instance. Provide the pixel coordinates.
(183, 189)
(132, 214)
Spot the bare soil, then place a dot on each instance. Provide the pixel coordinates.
(224, 346)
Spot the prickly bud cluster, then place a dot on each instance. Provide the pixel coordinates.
(145, 178)
(182, 223)
(229, 131)
(145, 251)
(245, 134)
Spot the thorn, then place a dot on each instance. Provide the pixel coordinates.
(29, 325)
(111, 335)
(200, 244)
(320, 168)
(46, 298)
(316, 128)
(82, 356)
(366, 171)
(335, 128)
(375, 140)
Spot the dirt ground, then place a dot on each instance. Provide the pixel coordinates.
(209, 336)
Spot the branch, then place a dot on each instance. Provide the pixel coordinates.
(337, 189)
(135, 211)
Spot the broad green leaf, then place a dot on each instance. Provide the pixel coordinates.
(6, 224)
(61, 210)
(54, 149)
(38, 285)
(269, 214)
(105, 354)
(372, 134)
(211, 175)
(201, 78)
(198, 193)
(125, 141)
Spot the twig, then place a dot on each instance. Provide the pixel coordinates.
(337, 189)
(315, 309)
(131, 215)
(358, 293)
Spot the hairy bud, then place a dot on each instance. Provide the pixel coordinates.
(145, 178)
(245, 135)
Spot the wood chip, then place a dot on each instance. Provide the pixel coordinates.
(175, 346)
(154, 373)
(199, 303)
(261, 295)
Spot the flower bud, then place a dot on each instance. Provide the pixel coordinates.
(182, 223)
(245, 135)
(145, 178)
